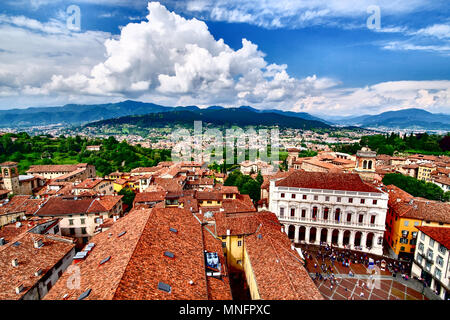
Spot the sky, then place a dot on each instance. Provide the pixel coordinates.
(324, 57)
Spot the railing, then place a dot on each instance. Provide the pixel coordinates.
(331, 222)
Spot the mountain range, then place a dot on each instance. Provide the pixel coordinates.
(412, 118)
(218, 116)
(75, 114)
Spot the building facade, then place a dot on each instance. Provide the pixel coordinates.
(333, 208)
(431, 259)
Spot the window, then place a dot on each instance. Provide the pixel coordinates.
(416, 224)
(403, 240)
(72, 231)
(337, 214)
(422, 236)
(414, 234)
(282, 195)
(419, 259)
(83, 230)
(421, 247)
(442, 249)
(292, 212)
(338, 199)
(361, 218)
(406, 223)
(349, 217)
(372, 219)
(405, 233)
(224, 244)
(375, 201)
(70, 222)
(316, 197)
(437, 273)
(325, 213)
(281, 212)
(430, 254)
(303, 213)
(83, 221)
(350, 200)
(239, 261)
(240, 243)
(293, 196)
(304, 197)
(413, 241)
(402, 248)
(327, 198)
(440, 261)
(432, 243)
(363, 201)
(314, 213)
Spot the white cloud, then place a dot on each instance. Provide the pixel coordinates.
(440, 31)
(179, 59)
(168, 59)
(293, 14)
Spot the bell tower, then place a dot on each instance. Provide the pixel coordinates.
(10, 175)
(366, 163)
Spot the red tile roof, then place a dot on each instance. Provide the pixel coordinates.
(439, 234)
(137, 261)
(279, 271)
(328, 181)
(30, 260)
(21, 204)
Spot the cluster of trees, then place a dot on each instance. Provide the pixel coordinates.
(416, 188)
(114, 155)
(246, 184)
(390, 143)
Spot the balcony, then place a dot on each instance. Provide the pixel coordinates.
(329, 222)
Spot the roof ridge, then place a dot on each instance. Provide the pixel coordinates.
(131, 255)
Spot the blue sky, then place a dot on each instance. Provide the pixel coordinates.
(316, 56)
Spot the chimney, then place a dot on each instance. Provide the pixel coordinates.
(19, 289)
(228, 232)
(38, 272)
(38, 243)
(15, 262)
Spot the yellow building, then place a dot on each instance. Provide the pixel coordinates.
(256, 246)
(405, 214)
(424, 172)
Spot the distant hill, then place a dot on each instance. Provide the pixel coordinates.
(215, 115)
(412, 118)
(74, 114)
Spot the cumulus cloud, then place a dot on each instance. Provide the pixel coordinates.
(178, 58)
(172, 60)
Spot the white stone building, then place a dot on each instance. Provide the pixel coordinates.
(333, 208)
(432, 259)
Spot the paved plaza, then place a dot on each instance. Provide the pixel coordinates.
(360, 284)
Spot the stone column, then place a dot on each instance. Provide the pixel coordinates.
(363, 240)
(297, 234)
(329, 236)
(352, 239)
(307, 230)
(341, 238)
(318, 232)
(286, 229)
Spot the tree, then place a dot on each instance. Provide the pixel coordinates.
(416, 188)
(128, 196)
(259, 178)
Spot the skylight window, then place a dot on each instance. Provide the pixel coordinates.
(16, 244)
(105, 260)
(121, 234)
(85, 294)
(173, 230)
(169, 254)
(164, 287)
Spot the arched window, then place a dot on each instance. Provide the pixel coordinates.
(365, 164)
(314, 213)
(370, 165)
(337, 214)
(325, 213)
(5, 173)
